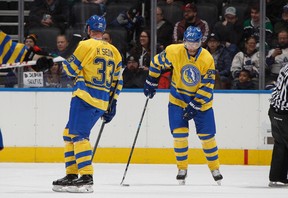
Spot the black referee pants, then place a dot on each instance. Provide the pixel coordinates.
(279, 162)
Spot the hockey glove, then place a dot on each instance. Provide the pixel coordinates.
(43, 64)
(108, 115)
(150, 86)
(191, 110)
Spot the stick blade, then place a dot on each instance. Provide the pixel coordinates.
(1, 141)
(72, 45)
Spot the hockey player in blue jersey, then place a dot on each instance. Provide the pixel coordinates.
(96, 66)
(191, 97)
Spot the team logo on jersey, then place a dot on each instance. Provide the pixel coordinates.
(190, 75)
(71, 59)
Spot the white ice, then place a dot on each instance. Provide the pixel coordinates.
(34, 180)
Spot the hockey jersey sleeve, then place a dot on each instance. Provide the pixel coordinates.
(117, 82)
(204, 94)
(159, 63)
(11, 52)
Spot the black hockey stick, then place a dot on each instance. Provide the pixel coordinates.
(135, 139)
(1, 141)
(72, 45)
(103, 122)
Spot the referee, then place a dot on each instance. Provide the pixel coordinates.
(278, 114)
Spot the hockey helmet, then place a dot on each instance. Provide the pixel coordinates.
(192, 37)
(96, 23)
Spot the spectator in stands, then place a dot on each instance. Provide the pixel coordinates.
(190, 19)
(247, 59)
(56, 78)
(30, 43)
(277, 57)
(282, 24)
(251, 26)
(164, 30)
(273, 8)
(222, 59)
(142, 50)
(131, 20)
(62, 44)
(244, 81)
(133, 75)
(107, 37)
(49, 13)
(230, 31)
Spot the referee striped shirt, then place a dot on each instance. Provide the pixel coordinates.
(279, 99)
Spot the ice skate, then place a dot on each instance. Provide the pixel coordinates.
(278, 184)
(217, 176)
(60, 185)
(82, 185)
(181, 176)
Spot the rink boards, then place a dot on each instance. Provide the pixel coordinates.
(32, 122)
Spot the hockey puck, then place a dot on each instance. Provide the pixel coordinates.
(125, 185)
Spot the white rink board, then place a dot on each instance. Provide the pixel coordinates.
(31, 119)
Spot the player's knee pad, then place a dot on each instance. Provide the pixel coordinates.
(206, 137)
(66, 136)
(181, 132)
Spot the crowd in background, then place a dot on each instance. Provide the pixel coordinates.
(232, 37)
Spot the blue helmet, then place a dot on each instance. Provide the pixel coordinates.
(192, 34)
(96, 23)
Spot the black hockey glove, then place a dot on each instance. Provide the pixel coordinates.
(191, 110)
(108, 115)
(150, 87)
(43, 64)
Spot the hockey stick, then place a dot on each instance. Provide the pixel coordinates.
(103, 122)
(27, 63)
(135, 139)
(1, 141)
(70, 49)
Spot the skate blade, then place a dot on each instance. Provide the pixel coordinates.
(277, 185)
(80, 189)
(182, 182)
(59, 188)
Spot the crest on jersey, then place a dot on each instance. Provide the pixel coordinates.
(190, 75)
(71, 58)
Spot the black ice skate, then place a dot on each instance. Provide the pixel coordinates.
(279, 184)
(60, 185)
(82, 185)
(217, 176)
(181, 176)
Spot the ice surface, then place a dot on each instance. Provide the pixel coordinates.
(152, 181)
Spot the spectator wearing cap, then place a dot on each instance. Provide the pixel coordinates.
(133, 75)
(190, 18)
(282, 24)
(30, 42)
(222, 59)
(131, 20)
(252, 26)
(230, 30)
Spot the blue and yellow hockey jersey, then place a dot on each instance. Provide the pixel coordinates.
(193, 78)
(96, 65)
(11, 52)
